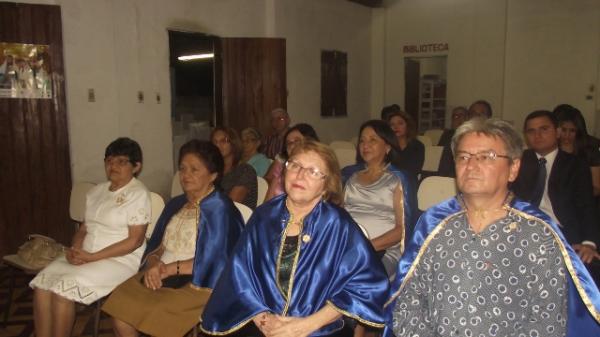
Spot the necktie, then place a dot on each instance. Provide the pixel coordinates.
(540, 182)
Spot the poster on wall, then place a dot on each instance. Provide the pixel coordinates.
(25, 71)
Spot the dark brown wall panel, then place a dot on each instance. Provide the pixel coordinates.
(35, 174)
(252, 80)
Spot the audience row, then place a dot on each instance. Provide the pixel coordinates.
(322, 250)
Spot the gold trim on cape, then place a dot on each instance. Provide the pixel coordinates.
(567, 260)
(424, 246)
(361, 320)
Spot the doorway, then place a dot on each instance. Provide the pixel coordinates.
(425, 91)
(192, 76)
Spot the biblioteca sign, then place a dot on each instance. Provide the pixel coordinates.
(425, 48)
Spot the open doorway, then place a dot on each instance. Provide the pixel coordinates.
(192, 75)
(425, 91)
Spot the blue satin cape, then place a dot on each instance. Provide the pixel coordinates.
(336, 265)
(219, 228)
(410, 195)
(583, 312)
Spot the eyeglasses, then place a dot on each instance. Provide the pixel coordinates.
(312, 172)
(482, 157)
(108, 161)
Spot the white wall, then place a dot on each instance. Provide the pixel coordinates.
(310, 26)
(552, 56)
(518, 55)
(474, 31)
(120, 47)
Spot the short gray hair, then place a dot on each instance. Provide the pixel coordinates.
(495, 128)
(252, 132)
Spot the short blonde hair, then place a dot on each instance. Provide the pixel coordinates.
(333, 179)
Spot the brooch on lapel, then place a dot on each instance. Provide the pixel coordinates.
(120, 199)
(305, 238)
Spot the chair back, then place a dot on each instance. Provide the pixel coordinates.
(434, 135)
(342, 144)
(176, 185)
(434, 190)
(245, 210)
(263, 186)
(433, 154)
(77, 200)
(345, 157)
(425, 140)
(157, 205)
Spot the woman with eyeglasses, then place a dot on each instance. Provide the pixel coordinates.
(302, 263)
(105, 251)
(378, 195)
(294, 136)
(239, 179)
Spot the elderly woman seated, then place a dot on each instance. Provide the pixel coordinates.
(185, 255)
(107, 248)
(302, 263)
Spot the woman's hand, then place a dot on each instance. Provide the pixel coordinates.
(289, 327)
(587, 253)
(71, 257)
(266, 322)
(80, 256)
(153, 276)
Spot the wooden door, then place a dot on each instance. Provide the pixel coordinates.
(412, 78)
(35, 175)
(250, 74)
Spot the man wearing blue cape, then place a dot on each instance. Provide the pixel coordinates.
(486, 264)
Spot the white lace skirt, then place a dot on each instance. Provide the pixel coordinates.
(88, 282)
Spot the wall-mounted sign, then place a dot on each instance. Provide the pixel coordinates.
(426, 48)
(25, 71)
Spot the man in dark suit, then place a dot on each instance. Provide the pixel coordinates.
(559, 183)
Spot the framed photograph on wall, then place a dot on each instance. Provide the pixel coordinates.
(25, 71)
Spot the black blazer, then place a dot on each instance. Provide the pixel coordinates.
(570, 192)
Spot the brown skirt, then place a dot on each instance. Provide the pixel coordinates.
(164, 312)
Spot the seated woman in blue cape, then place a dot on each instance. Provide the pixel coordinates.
(378, 196)
(486, 264)
(187, 251)
(302, 263)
